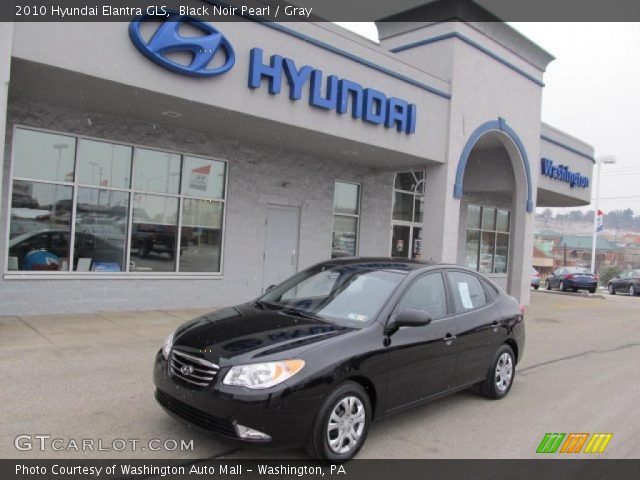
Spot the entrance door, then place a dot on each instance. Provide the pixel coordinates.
(281, 244)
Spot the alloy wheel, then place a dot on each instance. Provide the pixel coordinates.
(504, 372)
(346, 424)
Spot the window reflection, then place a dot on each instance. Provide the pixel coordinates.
(43, 156)
(40, 226)
(153, 233)
(101, 230)
(346, 198)
(104, 164)
(201, 237)
(156, 171)
(345, 232)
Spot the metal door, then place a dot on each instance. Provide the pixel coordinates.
(280, 244)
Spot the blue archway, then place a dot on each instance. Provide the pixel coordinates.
(493, 125)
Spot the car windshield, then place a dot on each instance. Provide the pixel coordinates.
(343, 294)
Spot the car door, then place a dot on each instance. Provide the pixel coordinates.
(422, 360)
(557, 276)
(478, 323)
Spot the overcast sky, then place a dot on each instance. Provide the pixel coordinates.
(592, 92)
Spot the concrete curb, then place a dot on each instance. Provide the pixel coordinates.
(572, 294)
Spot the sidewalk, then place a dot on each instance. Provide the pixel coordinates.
(102, 328)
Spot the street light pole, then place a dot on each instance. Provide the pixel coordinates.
(609, 160)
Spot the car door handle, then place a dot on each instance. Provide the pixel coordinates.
(448, 339)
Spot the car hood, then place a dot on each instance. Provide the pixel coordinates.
(247, 333)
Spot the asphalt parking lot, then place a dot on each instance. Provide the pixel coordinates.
(89, 376)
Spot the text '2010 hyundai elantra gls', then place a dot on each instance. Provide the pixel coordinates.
(317, 358)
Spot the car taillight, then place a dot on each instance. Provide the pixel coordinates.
(571, 276)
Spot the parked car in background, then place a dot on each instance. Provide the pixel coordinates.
(626, 282)
(572, 278)
(535, 278)
(317, 358)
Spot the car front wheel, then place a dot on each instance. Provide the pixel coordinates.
(632, 290)
(547, 285)
(562, 287)
(342, 424)
(612, 291)
(500, 375)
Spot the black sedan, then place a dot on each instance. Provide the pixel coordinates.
(572, 278)
(317, 358)
(626, 282)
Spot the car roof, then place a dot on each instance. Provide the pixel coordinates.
(382, 262)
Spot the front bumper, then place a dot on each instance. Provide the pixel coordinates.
(284, 414)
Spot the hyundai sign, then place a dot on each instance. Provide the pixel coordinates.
(327, 92)
(562, 173)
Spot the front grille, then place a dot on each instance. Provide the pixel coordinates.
(192, 370)
(195, 416)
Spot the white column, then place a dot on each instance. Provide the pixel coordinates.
(6, 46)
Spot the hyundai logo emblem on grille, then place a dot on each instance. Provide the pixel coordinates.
(167, 39)
(186, 370)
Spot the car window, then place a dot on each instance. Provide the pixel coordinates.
(491, 291)
(468, 293)
(426, 293)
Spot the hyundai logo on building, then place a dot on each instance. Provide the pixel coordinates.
(167, 39)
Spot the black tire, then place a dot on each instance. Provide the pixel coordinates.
(575, 289)
(592, 290)
(632, 290)
(488, 387)
(547, 285)
(536, 287)
(612, 290)
(318, 443)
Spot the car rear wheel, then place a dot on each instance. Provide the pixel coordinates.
(592, 290)
(536, 287)
(632, 290)
(500, 375)
(612, 291)
(342, 424)
(547, 285)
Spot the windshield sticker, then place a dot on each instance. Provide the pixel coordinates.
(357, 316)
(463, 288)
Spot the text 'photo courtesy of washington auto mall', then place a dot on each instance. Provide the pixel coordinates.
(314, 238)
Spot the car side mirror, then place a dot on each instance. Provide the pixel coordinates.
(408, 317)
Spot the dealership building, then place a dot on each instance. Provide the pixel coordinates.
(153, 165)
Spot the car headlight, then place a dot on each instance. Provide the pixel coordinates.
(262, 375)
(166, 346)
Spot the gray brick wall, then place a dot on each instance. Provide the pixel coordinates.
(258, 175)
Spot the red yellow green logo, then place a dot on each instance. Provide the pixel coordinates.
(574, 443)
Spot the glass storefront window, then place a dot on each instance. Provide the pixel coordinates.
(201, 236)
(472, 249)
(488, 218)
(202, 177)
(156, 171)
(43, 156)
(487, 239)
(408, 214)
(346, 211)
(502, 221)
(403, 207)
(473, 216)
(101, 230)
(122, 221)
(104, 164)
(153, 233)
(347, 198)
(40, 226)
